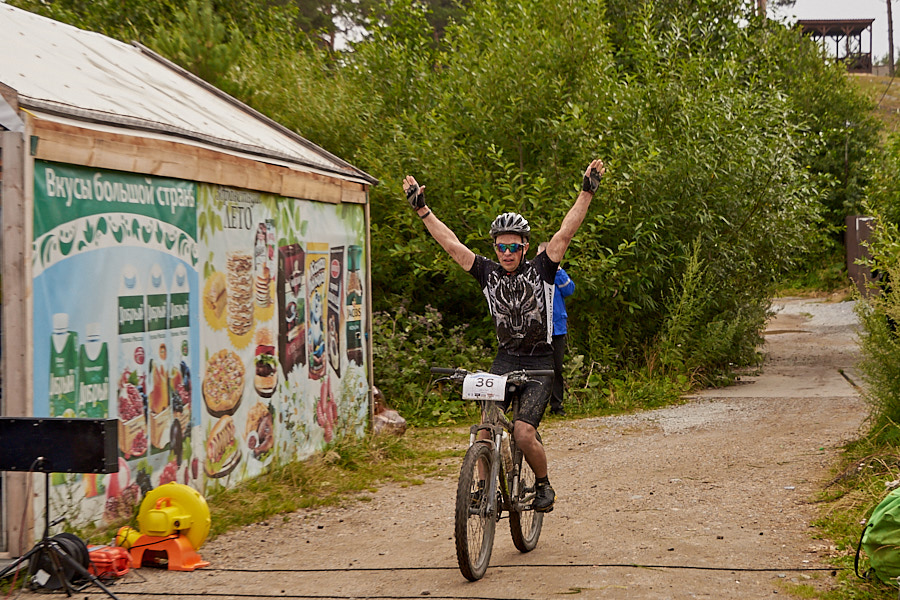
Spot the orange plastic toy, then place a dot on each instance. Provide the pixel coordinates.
(108, 562)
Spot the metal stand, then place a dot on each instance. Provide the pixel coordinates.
(58, 556)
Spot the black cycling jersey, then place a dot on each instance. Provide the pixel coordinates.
(521, 303)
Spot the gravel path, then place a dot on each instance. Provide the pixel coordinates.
(709, 499)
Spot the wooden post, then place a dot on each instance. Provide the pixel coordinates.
(16, 356)
(890, 40)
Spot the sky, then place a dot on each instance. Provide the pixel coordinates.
(855, 9)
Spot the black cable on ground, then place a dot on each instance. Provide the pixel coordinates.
(530, 566)
(429, 595)
(319, 597)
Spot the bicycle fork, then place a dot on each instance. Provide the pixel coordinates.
(493, 477)
(505, 468)
(510, 468)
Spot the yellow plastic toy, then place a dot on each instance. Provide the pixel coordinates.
(174, 522)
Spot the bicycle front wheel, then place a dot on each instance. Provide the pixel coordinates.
(476, 513)
(524, 522)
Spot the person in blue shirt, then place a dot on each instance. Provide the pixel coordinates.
(563, 289)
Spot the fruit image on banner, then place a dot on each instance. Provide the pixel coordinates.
(159, 416)
(180, 350)
(134, 436)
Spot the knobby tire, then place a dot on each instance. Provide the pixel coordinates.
(475, 524)
(524, 525)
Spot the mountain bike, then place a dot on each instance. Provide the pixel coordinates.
(495, 477)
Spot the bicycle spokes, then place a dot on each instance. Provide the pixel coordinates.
(476, 509)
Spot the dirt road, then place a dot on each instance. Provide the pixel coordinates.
(710, 499)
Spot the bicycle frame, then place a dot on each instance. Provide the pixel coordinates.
(493, 479)
(495, 423)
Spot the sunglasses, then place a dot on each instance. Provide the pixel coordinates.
(511, 247)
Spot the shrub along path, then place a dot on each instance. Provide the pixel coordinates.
(709, 499)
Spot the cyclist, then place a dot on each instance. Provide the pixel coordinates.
(520, 298)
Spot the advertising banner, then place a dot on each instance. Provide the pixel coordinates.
(270, 392)
(114, 267)
(220, 326)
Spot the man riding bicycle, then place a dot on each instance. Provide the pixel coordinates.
(520, 298)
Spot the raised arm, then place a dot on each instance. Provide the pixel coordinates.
(442, 234)
(560, 241)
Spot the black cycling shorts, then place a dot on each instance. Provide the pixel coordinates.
(536, 394)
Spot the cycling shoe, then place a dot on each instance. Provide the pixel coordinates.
(544, 497)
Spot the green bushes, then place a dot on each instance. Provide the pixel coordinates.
(880, 365)
(880, 311)
(720, 150)
(704, 146)
(406, 346)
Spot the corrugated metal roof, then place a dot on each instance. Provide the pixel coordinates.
(61, 70)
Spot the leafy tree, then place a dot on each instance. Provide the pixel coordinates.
(201, 42)
(122, 19)
(703, 143)
(725, 135)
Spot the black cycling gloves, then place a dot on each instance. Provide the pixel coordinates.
(415, 196)
(592, 182)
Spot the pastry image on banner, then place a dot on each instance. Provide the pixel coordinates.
(261, 271)
(264, 271)
(260, 434)
(239, 279)
(316, 277)
(223, 452)
(215, 300)
(223, 383)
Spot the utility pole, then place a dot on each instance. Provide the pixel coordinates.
(890, 40)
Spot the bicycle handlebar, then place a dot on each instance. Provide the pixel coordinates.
(522, 372)
(537, 372)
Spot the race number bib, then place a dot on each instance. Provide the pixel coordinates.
(484, 386)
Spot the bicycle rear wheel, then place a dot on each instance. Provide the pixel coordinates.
(476, 513)
(525, 523)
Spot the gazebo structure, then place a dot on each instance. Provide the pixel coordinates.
(847, 35)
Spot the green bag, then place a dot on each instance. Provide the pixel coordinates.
(881, 541)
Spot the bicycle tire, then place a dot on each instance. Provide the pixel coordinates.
(475, 525)
(524, 523)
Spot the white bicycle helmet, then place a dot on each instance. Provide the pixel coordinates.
(510, 222)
